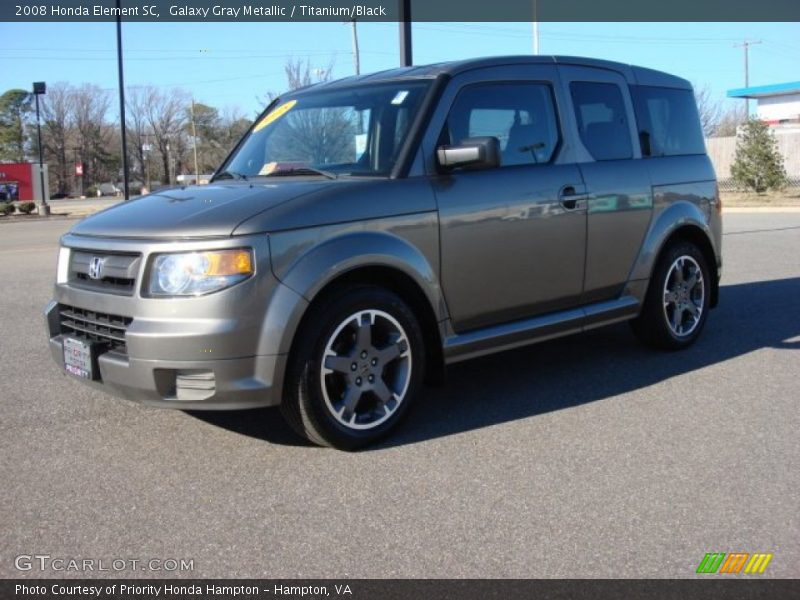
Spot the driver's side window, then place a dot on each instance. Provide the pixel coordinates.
(521, 116)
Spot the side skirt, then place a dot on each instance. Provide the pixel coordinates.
(497, 338)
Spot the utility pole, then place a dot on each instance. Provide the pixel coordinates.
(194, 145)
(125, 173)
(745, 45)
(40, 88)
(404, 19)
(356, 55)
(535, 28)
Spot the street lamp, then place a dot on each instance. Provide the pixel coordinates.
(39, 88)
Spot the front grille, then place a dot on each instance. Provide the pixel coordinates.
(102, 328)
(115, 273)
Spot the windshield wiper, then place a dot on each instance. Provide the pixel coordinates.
(230, 175)
(301, 171)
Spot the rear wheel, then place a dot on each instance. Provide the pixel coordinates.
(677, 301)
(356, 365)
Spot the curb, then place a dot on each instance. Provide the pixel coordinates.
(36, 218)
(760, 209)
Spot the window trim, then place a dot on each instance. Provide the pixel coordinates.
(540, 82)
(632, 155)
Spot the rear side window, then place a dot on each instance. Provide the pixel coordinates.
(521, 116)
(668, 121)
(602, 120)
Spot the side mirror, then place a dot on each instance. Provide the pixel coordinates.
(471, 153)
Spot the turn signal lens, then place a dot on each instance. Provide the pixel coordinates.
(236, 262)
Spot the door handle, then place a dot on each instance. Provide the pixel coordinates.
(570, 198)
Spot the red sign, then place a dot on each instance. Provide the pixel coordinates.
(16, 181)
(79, 169)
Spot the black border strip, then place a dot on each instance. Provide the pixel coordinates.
(714, 586)
(337, 11)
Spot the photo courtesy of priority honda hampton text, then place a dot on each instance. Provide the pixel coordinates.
(367, 232)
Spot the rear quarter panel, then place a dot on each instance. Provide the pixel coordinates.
(684, 193)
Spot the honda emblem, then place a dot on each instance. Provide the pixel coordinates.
(96, 267)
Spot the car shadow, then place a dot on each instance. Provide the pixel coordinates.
(568, 372)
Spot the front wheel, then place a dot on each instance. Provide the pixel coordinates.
(356, 365)
(677, 301)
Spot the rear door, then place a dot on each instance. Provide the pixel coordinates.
(620, 200)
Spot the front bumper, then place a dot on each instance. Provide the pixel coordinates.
(219, 351)
(221, 384)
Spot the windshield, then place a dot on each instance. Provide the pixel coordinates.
(347, 132)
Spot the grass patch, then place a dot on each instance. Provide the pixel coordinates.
(787, 197)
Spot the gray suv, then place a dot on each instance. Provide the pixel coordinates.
(369, 231)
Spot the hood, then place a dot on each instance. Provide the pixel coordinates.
(192, 212)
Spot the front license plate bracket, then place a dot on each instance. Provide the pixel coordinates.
(80, 358)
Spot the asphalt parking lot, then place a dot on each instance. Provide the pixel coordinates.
(585, 457)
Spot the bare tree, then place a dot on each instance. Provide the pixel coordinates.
(138, 132)
(300, 74)
(234, 126)
(91, 105)
(709, 110)
(57, 132)
(730, 120)
(166, 117)
(321, 135)
(216, 132)
(76, 128)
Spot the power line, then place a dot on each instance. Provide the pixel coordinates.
(204, 52)
(61, 57)
(784, 45)
(160, 59)
(566, 35)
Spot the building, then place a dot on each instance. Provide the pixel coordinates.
(21, 182)
(778, 104)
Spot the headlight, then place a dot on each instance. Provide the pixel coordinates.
(196, 273)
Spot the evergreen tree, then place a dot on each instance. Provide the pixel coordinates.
(15, 108)
(758, 165)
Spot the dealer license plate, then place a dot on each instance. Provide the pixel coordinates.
(78, 358)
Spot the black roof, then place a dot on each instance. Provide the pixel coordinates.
(633, 74)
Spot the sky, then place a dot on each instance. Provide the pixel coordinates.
(235, 65)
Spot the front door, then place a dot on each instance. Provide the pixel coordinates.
(513, 238)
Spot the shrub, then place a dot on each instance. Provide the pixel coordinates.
(6, 208)
(758, 164)
(26, 208)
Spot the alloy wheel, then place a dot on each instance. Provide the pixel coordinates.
(684, 296)
(366, 369)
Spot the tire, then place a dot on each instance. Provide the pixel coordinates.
(677, 301)
(356, 365)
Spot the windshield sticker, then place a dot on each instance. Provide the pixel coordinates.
(268, 168)
(275, 115)
(275, 166)
(399, 97)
